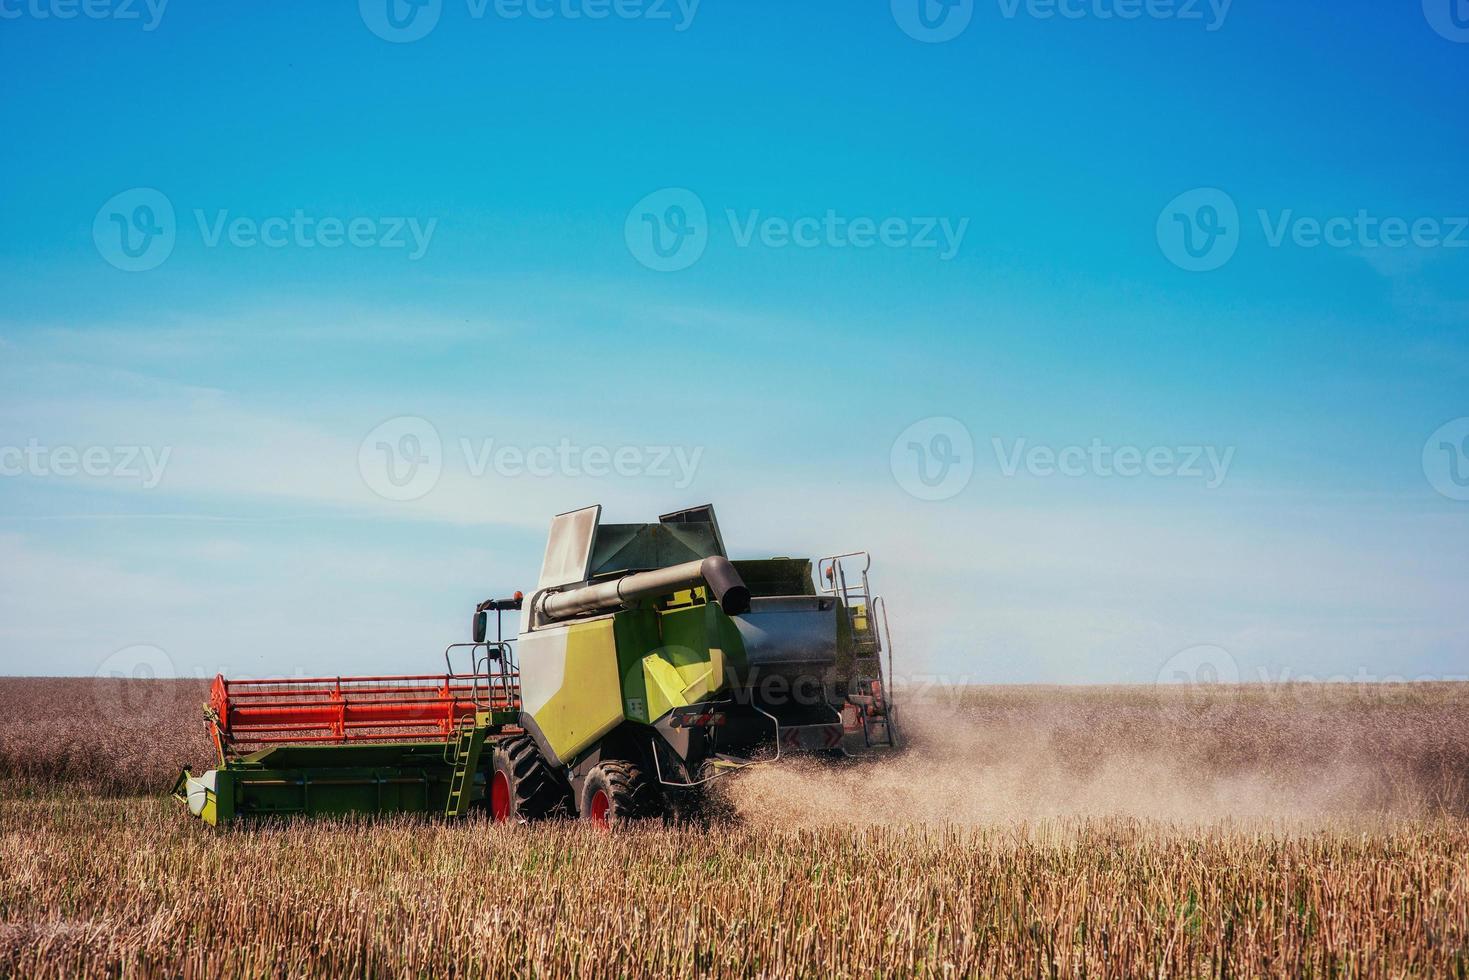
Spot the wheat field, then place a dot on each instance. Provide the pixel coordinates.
(1312, 831)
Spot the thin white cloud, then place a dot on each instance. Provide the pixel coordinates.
(987, 585)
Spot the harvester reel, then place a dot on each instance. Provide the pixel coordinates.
(522, 786)
(619, 793)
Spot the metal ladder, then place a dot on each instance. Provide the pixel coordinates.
(463, 751)
(879, 608)
(855, 594)
(464, 758)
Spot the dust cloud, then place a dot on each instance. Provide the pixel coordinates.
(1296, 754)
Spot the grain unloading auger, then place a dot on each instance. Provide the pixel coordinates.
(648, 666)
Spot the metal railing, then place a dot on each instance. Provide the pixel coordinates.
(495, 669)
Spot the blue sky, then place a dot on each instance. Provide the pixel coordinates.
(1065, 155)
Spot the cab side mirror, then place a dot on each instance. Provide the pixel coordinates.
(481, 625)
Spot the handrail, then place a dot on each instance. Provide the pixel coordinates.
(835, 560)
(879, 604)
(498, 651)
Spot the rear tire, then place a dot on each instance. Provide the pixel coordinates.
(522, 786)
(617, 794)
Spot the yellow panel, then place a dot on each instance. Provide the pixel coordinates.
(672, 687)
(664, 685)
(702, 680)
(589, 702)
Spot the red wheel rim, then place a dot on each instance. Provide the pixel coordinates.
(597, 812)
(499, 797)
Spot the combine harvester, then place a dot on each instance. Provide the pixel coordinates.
(648, 665)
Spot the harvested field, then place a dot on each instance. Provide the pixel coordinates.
(1029, 831)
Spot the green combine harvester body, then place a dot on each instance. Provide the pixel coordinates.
(648, 667)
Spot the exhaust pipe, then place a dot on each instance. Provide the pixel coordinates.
(717, 573)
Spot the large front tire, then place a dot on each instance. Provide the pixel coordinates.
(617, 794)
(522, 786)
